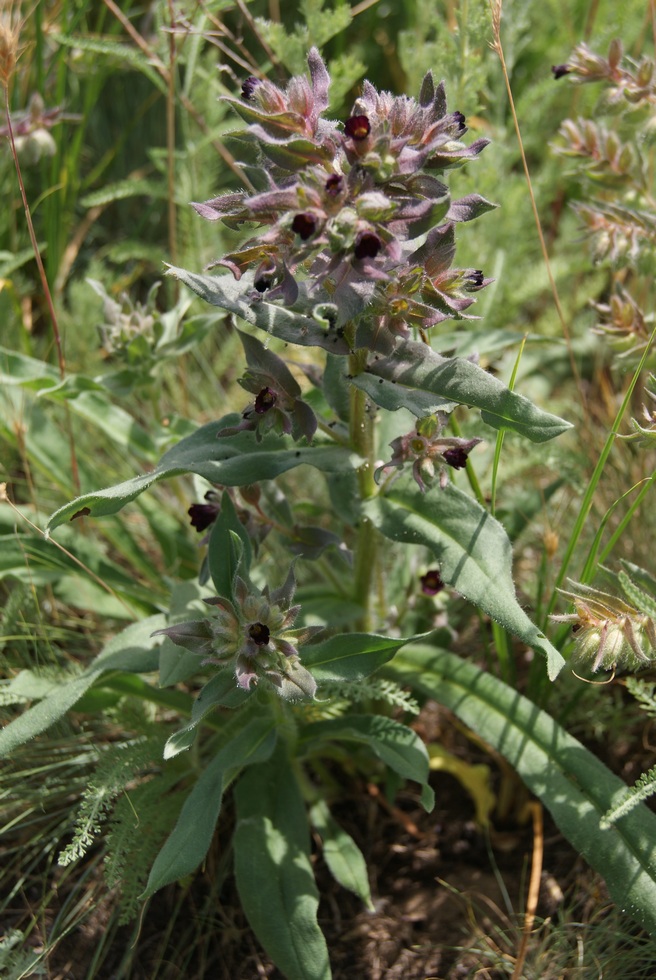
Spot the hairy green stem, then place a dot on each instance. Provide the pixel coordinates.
(363, 442)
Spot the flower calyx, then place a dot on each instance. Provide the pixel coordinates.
(429, 452)
(252, 635)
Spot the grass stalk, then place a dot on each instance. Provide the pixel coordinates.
(497, 46)
(593, 483)
(61, 361)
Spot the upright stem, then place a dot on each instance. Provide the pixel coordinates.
(363, 442)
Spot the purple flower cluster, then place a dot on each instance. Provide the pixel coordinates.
(429, 452)
(357, 211)
(253, 636)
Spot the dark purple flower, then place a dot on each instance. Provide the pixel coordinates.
(459, 117)
(475, 277)
(248, 87)
(262, 284)
(334, 185)
(203, 515)
(560, 70)
(304, 225)
(456, 457)
(367, 245)
(260, 634)
(265, 400)
(357, 127)
(431, 582)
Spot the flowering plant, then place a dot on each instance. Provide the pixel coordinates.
(351, 262)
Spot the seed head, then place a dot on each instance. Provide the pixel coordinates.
(10, 28)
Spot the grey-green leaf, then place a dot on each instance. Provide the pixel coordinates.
(395, 744)
(415, 368)
(296, 326)
(273, 871)
(472, 548)
(341, 853)
(350, 656)
(248, 738)
(231, 461)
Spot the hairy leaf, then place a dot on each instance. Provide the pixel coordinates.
(274, 875)
(415, 368)
(396, 745)
(230, 460)
(248, 738)
(472, 548)
(341, 853)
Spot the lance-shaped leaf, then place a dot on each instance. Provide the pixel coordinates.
(229, 549)
(350, 656)
(296, 326)
(221, 690)
(472, 548)
(273, 871)
(234, 460)
(572, 783)
(133, 649)
(248, 738)
(415, 368)
(341, 853)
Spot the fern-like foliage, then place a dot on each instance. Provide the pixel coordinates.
(644, 693)
(642, 789)
(117, 766)
(390, 693)
(645, 786)
(317, 26)
(138, 825)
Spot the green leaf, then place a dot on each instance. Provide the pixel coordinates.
(296, 326)
(395, 744)
(132, 650)
(273, 870)
(248, 738)
(229, 547)
(341, 854)
(221, 690)
(472, 548)
(572, 783)
(415, 368)
(81, 394)
(231, 460)
(349, 656)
